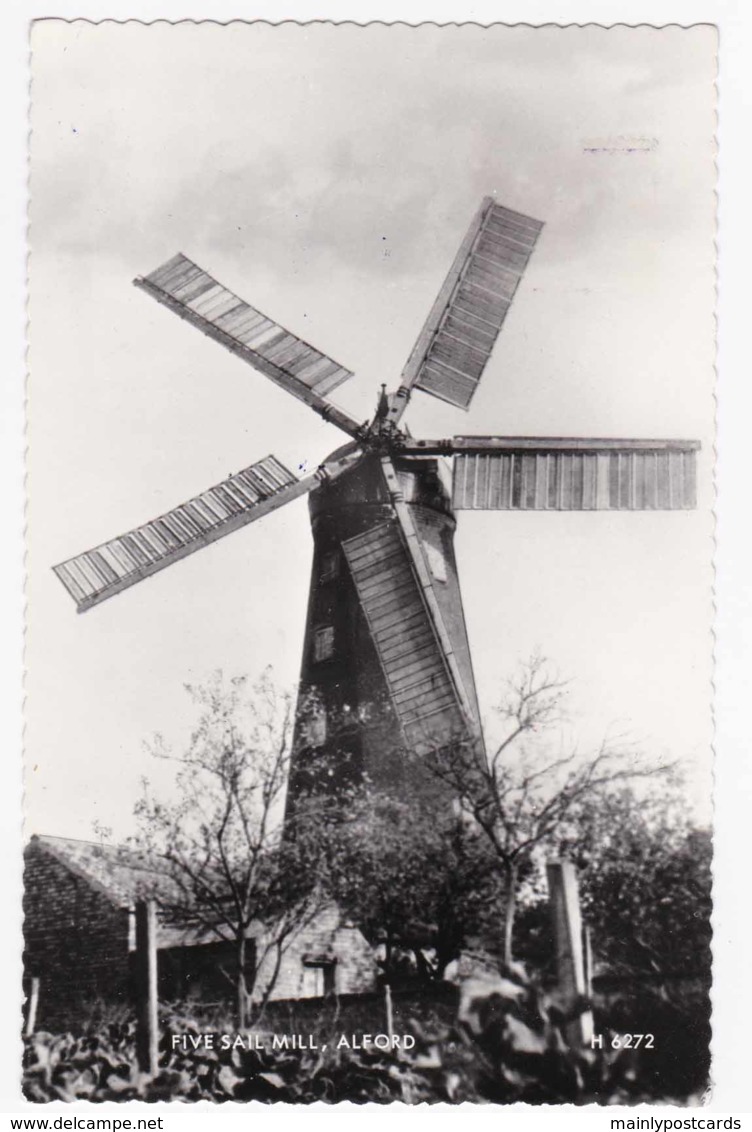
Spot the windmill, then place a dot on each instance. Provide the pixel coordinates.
(386, 660)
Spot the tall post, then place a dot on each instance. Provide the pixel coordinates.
(587, 945)
(33, 1005)
(389, 1011)
(147, 1033)
(570, 964)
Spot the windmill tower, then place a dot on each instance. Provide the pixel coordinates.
(372, 678)
(386, 661)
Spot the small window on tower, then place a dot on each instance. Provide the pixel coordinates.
(315, 727)
(436, 562)
(330, 566)
(323, 643)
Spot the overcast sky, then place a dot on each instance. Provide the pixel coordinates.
(327, 176)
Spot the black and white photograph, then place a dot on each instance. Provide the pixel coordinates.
(402, 791)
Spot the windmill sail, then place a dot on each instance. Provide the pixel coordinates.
(460, 332)
(299, 368)
(113, 566)
(577, 475)
(423, 694)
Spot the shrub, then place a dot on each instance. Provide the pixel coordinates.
(505, 1045)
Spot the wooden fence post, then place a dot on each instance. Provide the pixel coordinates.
(570, 964)
(33, 1004)
(389, 1011)
(587, 949)
(147, 1032)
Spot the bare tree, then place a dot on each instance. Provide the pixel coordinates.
(219, 838)
(519, 795)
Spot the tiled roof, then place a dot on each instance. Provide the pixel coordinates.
(121, 873)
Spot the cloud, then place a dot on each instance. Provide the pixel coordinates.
(319, 138)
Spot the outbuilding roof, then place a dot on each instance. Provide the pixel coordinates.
(120, 873)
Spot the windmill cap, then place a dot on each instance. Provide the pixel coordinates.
(425, 481)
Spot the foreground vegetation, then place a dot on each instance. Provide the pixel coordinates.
(503, 1044)
(428, 889)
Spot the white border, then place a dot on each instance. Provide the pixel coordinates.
(733, 981)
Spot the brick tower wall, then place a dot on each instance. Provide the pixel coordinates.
(345, 724)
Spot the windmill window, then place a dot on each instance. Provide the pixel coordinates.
(330, 566)
(316, 728)
(436, 562)
(323, 643)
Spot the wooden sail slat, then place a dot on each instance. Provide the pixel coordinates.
(242, 321)
(615, 479)
(448, 384)
(486, 304)
(381, 537)
(498, 284)
(376, 582)
(474, 299)
(400, 643)
(470, 329)
(403, 634)
(459, 356)
(96, 574)
(507, 247)
(213, 308)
